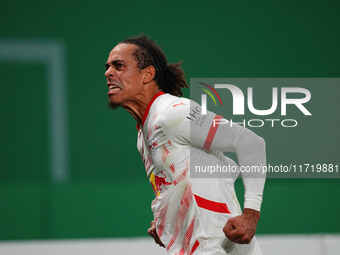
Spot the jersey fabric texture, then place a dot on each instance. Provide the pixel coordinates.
(190, 213)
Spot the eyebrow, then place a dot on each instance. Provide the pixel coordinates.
(114, 62)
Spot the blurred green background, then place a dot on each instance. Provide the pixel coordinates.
(105, 192)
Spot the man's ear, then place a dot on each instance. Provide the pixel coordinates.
(149, 74)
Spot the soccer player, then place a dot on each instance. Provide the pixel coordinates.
(191, 215)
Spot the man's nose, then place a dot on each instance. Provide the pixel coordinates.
(108, 72)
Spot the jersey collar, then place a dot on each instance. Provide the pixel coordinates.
(149, 106)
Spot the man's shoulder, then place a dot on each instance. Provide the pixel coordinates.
(170, 105)
(174, 111)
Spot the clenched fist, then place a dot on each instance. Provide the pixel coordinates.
(241, 229)
(152, 232)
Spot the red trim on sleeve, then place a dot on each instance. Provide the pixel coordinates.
(211, 133)
(211, 205)
(149, 106)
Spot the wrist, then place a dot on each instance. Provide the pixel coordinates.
(251, 213)
(252, 204)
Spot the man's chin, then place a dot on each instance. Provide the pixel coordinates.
(113, 105)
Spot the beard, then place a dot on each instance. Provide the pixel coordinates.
(112, 105)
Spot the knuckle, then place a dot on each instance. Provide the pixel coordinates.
(246, 240)
(231, 220)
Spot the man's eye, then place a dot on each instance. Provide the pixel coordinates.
(119, 66)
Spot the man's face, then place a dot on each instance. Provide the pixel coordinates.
(124, 78)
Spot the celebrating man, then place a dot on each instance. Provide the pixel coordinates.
(191, 215)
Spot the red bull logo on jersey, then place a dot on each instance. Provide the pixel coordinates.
(157, 183)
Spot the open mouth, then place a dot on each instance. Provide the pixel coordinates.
(113, 89)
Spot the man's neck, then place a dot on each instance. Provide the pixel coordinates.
(138, 106)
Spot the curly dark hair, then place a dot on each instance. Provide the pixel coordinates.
(169, 77)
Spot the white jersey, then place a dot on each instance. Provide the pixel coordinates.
(190, 213)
